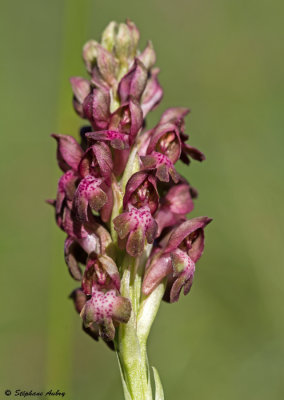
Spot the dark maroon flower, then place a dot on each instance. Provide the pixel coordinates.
(176, 260)
(141, 190)
(101, 273)
(79, 298)
(136, 225)
(175, 205)
(69, 152)
(74, 255)
(166, 140)
(117, 140)
(66, 189)
(176, 116)
(189, 237)
(96, 108)
(96, 161)
(89, 194)
(182, 276)
(189, 151)
(92, 237)
(127, 119)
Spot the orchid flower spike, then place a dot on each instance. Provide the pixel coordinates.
(122, 203)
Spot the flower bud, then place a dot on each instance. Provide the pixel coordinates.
(109, 36)
(174, 115)
(81, 89)
(90, 53)
(134, 32)
(107, 65)
(124, 45)
(148, 56)
(175, 205)
(96, 108)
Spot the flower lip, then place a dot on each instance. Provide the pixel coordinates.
(135, 226)
(89, 193)
(104, 308)
(118, 140)
(163, 166)
(183, 273)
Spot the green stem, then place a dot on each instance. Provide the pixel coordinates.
(131, 340)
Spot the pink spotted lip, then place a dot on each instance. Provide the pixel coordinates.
(161, 159)
(141, 216)
(103, 305)
(117, 139)
(89, 184)
(189, 265)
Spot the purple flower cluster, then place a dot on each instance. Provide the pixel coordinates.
(123, 87)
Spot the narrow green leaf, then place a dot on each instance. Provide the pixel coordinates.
(159, 393)
(125, 388)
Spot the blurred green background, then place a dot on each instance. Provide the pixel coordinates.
(224, 59)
